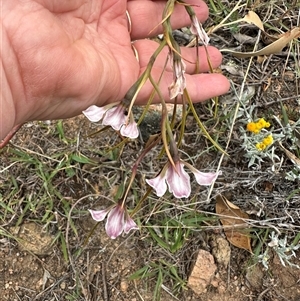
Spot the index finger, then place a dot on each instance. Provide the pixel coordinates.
(146, 16)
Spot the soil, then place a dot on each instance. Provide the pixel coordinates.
(98, 268)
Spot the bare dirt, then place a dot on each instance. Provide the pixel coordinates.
(35, 268)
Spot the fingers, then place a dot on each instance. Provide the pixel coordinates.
(145, 49)
(200, 87)
(146, 16)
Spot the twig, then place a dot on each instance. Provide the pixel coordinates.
(10, 135)
(105, 293)
(263, 293)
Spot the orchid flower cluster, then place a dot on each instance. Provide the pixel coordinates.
(119, 116)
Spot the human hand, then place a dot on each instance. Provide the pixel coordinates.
(60, 57)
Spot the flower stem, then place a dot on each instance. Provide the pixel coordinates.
(131, 95)
(135, 166)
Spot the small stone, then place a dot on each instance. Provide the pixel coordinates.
(63, 285)
(33, 238)
(221, 250)
(255, 276)
(221, 289)
(214, 283)
(124, 286)
(202, 272)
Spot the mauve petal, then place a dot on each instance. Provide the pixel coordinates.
(179, 83)
(158, 184)
(129, 224)
(115, 222)
(131, 130)
(197, 29)
(178, 182)
(99, 215)
(94, 113)
(115, 117)
(174, 90)
(206, 178)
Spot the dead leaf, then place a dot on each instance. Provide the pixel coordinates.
(261, 59)
(244, 39)
(233, 221)
(234, 70)
(274, 47)
(290, 155)
(267, 86)
(253, 18)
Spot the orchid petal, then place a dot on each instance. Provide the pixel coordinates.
(178, 181)
(129, 224)
(130, 130)
(158, 184)
(197, 29)
(99, 215)
(179, 83)
(115, 117)
(205, 178)
(115, 222)
(94, 113)
(175, 89)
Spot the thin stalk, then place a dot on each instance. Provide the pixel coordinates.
(131, 95)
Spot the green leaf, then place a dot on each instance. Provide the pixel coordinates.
(81, 159)
(157, 289)
(161, 242)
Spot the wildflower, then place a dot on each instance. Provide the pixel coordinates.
(113, 116)
(251, 127)
(265, 143)
(255, 127)
(178, 180)
(94, 113)
(268, 140)
(130, 130)
(179, 83)
(261, 123)
(260, 146)
(118, 220)
(197, 29)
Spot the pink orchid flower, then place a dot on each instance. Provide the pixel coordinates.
(179, 83)
(178, 180)
(118, 220)
(115, 117)
(197, 30)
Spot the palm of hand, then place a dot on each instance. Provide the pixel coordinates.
(63, 56)
(66, 55)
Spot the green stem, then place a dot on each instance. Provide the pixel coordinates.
(131, 95)
(200, 123)
(135, 166)
(165, 126)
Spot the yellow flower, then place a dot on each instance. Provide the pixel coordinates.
(255, 127)
(260, 146)
(261, 123)
(268, 140)
(251, 127)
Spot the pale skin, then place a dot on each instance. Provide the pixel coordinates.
(60, 57)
